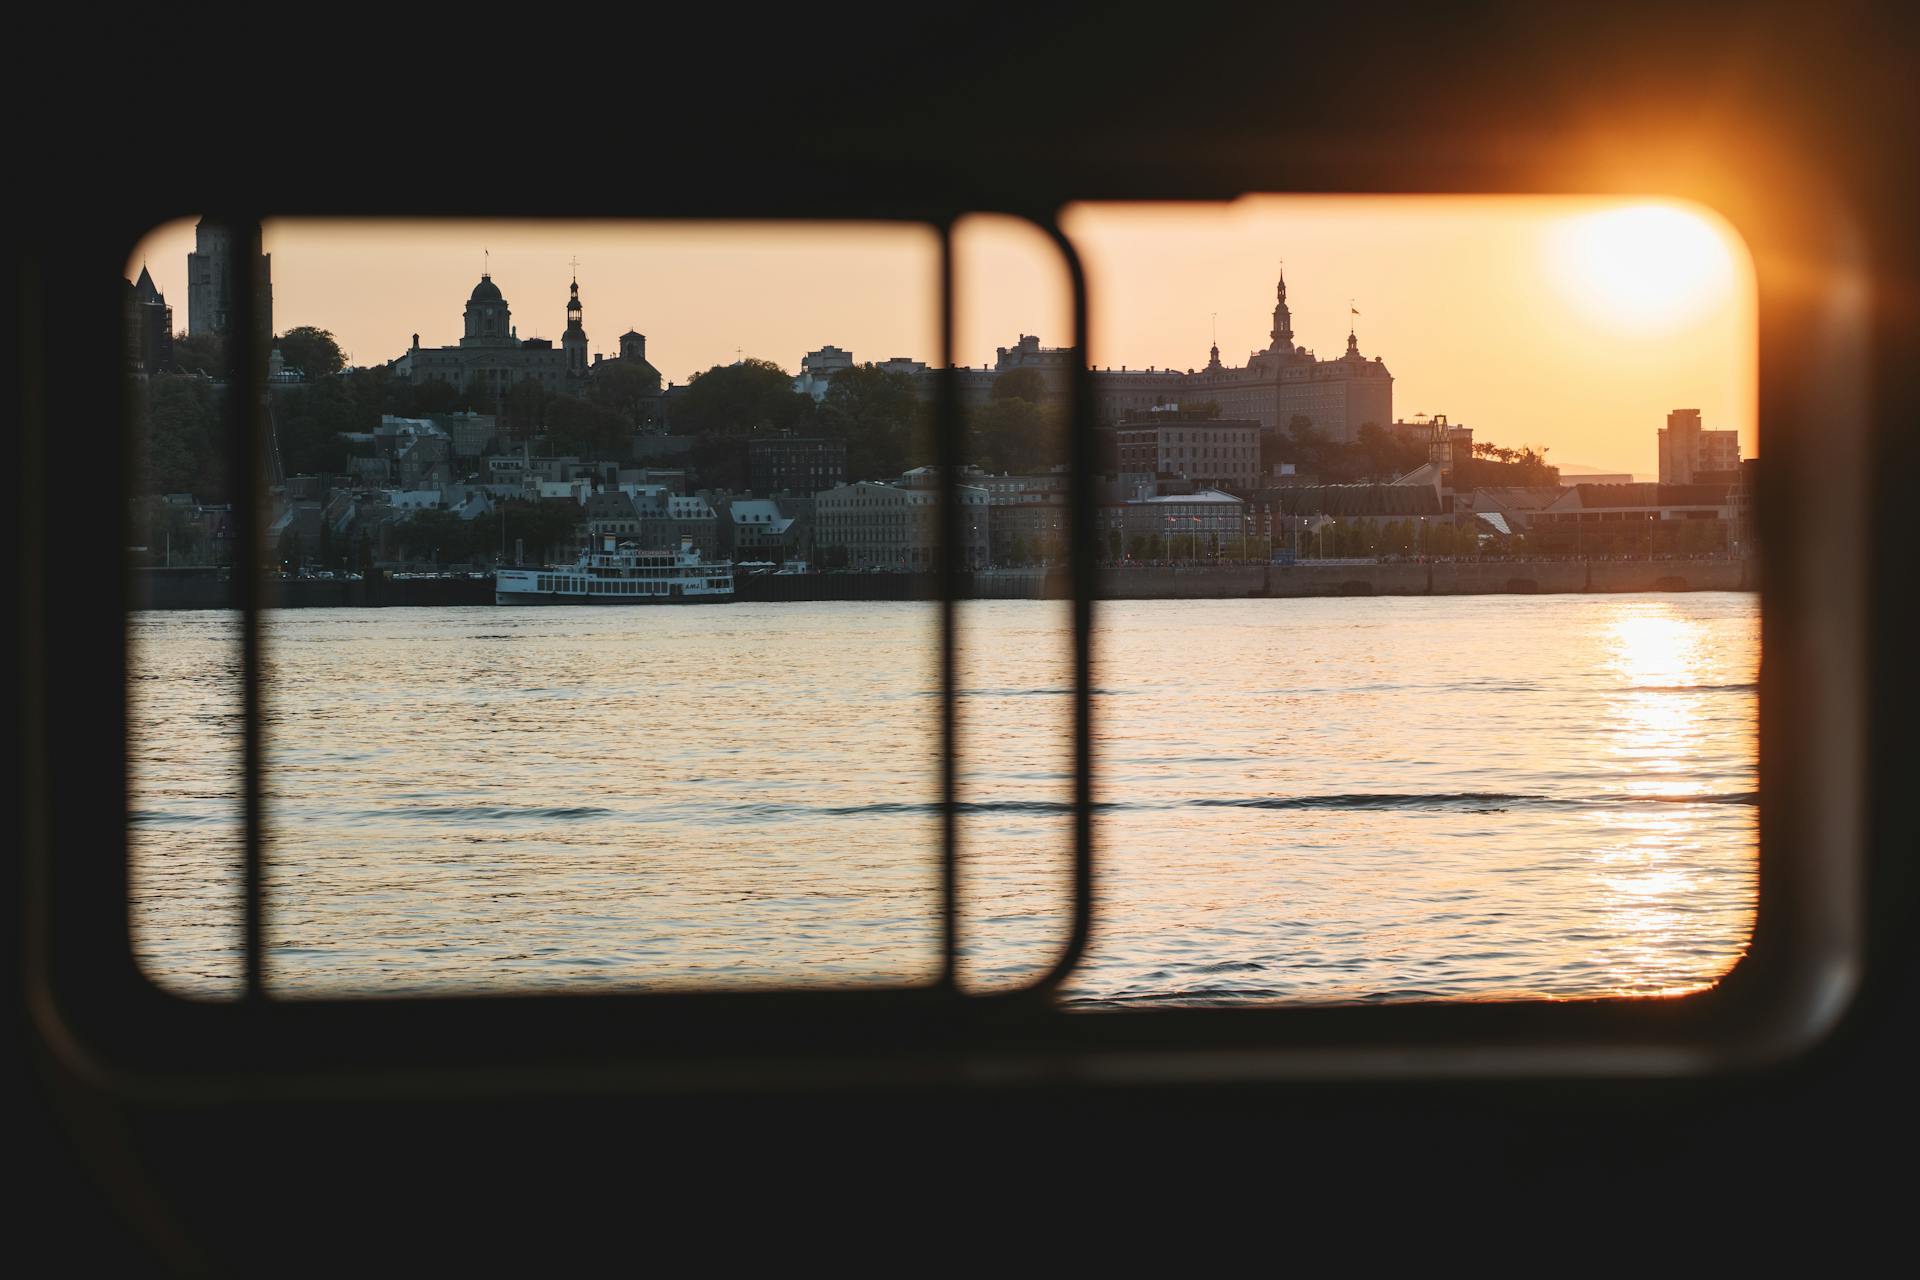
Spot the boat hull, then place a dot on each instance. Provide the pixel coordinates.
(551, 597)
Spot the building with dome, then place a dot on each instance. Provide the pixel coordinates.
(492, 356)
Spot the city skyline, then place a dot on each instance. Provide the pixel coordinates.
(1485, 310)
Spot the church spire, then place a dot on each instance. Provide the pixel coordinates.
(574, 340)
(1282, 333)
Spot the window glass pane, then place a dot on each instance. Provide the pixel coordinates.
(1384, 713)
(497, 779)
(1015, 343)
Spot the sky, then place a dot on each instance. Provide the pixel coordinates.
(1574, 324)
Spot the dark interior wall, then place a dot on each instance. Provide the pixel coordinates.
(899, 112)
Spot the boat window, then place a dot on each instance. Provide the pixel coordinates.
(1241, 701)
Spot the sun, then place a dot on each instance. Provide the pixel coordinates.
(1644, 267)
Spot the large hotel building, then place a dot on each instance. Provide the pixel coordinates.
(1275, 386)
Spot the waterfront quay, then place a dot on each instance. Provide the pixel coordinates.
(209, 589)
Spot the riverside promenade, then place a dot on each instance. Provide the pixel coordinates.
(1433, 578)
(212, 589)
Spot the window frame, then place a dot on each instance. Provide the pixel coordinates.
(94, 1008)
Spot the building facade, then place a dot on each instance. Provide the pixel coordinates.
(796, 464)
(1209, 452)
(1286, 381)
(1193, 526)
(1278, 384)
(1690, 454)
(817, 369)
(870, 525)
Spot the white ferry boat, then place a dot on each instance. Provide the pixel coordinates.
(620, 573)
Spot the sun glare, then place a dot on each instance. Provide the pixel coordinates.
(1649, 267)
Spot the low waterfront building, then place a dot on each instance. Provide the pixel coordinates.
(1515, 506)
(669, 517)
(756, 529)
(609, 512)
(1612, 503)
(1027, 515)
(1202, 525)
(1641, 519)
(871, 525)
(1359, 501)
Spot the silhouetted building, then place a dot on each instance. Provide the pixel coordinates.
(211, 276)
(491, 356)
(1687, 451)
(149, 326)
(1276, 385)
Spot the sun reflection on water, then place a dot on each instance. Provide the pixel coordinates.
(1665, 664)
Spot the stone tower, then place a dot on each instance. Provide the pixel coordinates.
(210, 281)
(574, 340)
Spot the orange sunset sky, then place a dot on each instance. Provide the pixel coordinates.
(1570, 323)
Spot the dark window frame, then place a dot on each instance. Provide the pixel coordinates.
(95, 1009)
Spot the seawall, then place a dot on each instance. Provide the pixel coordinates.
(207, 589)
(1299, 581)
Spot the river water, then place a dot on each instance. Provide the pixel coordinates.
(1341, 799)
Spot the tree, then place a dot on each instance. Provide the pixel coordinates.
(182, 438)
(627, 388)
(523, 409)
(312, 351)
(422, 399)
(753, 397)
(204, 353)
(1018, 436)
(880, 416)
(717, 462)
(309, 420)
(587, 430)
(1532, 467)
(474, 398)
(444, 536)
